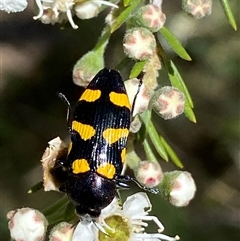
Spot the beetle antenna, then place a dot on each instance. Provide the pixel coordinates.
(69, 110)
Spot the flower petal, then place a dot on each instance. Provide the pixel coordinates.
(84, 232)
(13, 5)
(136, 204)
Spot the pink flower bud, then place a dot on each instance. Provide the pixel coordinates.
(87, 67)
(27, 224)
(62, 232)
(149, 173)
(135, 124)
(178, 187)
(57, 149)
(139, 43)
(168, 102)
(142, 99)
(151, 17)
(197, 8)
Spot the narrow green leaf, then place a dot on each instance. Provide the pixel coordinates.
(126, 2)
(188, 111)
(123, 16)
(122, 64)
(69, 212)
(229, 14)
(177, 81)
(36, 187)
(171, 153)
(103, 40)
(56, 206)
(149, 153)
(136, 69)
(174, 75)
(153, 134)
(175, 44)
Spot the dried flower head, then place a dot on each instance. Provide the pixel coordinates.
(51, 178)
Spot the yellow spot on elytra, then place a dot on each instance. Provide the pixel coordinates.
(123, 155)
(80, 166)
(84, 130)
(90, 95)
(119, 99)
(112, 135)
(107, 170)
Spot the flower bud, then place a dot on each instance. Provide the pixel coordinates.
(27, 224)
(62, 232)
(178, 187)
(149, 173)
(87, 67)
(142, 99)
(168, 102)
(139, 43)
(52, 178)
(197, 8)
(151, 17)
(135, 124)
(87, 10)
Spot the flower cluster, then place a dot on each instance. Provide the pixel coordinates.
(140, 43)
(116, 222)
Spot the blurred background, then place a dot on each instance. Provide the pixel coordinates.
(37, 62)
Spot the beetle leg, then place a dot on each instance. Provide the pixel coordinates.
(122, 179)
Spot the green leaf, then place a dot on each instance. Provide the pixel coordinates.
(137, 69)
(56, 206)
(148, 151)
(126, 2)
(153, 134)
(171, 153)
(69, 212)
(188, 111)
(36, 187)
(229, 14)
(123, 16)
(177, 81)
(175, 44)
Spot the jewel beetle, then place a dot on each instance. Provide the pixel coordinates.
(99, 129)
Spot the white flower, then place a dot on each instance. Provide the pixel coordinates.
(183, 189)
(58, 7)
(27, 224)
(67, 8)
(126, 223)
(13, 5)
